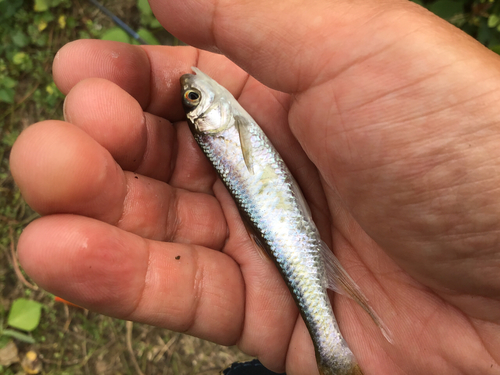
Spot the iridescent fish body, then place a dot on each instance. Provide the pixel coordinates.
(270, 201)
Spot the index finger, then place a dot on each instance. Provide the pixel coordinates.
(149, 73)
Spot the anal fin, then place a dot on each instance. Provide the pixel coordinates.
(340, 282)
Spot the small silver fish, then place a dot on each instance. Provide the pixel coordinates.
(272, 204)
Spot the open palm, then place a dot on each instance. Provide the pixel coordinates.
(387, 118)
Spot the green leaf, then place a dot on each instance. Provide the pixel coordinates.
(496, 48)
(447, 8)
(8, 82)
(148, 36)
(18, 335)
(41, 40)
(9, 8)
(7, 95)
(484, 33)
(82, 34)
(55, 3)
(45, 17)
(41, 5)
(19, 58)
(493, 20)
(4, 340)
(116, 34)
(144, 7)
(154, 24)
(9, 138)
(20, 39)
(24, 314)
(71, 22)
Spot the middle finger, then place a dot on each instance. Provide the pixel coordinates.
(61, 169)
(138, 141)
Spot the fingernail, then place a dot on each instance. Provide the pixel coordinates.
(66, 117)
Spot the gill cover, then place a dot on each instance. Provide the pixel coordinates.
(211, 109)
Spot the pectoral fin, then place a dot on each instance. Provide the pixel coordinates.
(245, 141)
(340, 282)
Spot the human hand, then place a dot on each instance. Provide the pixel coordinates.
(385, 114)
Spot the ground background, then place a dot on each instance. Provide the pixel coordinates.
(66, 339)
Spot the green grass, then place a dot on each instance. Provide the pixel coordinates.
(69, 340)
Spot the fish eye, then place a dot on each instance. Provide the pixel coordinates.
(192, 96)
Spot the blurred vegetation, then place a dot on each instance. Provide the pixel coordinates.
(478, 18)
(63, 339)
(38, 334)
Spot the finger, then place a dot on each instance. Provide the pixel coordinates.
(103, 60)
(61, 169)
(48, 165)
(300, 356)
(138, 141)
(149, 74)
(251, 33)
(95, 265)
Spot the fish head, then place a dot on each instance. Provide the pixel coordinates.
(205, 103)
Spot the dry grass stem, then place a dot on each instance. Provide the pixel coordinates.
(165, 348)
(15, 263)
(130, 326)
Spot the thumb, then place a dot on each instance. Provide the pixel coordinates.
(288, 45)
